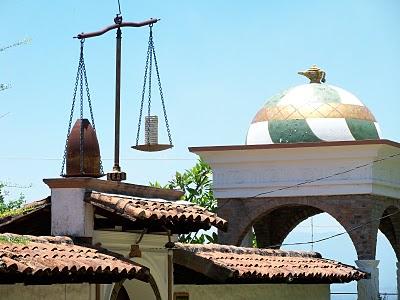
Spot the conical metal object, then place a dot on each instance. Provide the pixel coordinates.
(83, 152)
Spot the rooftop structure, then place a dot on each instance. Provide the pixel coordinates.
(53, 260)
(312, 112)
(213, 263)
(311, 149)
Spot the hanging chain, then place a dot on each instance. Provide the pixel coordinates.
(90, 107)
(81, 117)
(72, 109)
(149, 92)
(151, 54)
(144, 89)
(81, 78)
(161, 93)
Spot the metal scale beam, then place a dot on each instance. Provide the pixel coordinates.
(117, 174)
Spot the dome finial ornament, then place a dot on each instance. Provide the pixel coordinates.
(315, 74)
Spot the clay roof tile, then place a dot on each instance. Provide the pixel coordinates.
(265, 265)
(155, 210)
(47, 260)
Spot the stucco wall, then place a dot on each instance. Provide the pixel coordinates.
(48, 292)
(153, 255)
(246, 172)
(139, 290)
(256, 291)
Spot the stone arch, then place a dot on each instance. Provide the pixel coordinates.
(272, 228)
(349, 210)
(390, 227)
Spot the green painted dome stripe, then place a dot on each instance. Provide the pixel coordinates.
(362, 130)
(291, 131)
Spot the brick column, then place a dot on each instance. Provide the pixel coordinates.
(368, 289)
(398, 280)
(239, 221)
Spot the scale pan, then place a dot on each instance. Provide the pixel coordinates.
(152, 147)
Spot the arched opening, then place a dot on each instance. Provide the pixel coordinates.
(390, 227)
(143, 290)
(122, 294)
(340, 248)
(387, 267)
(297, 227)
(387, 251)
(272, 227)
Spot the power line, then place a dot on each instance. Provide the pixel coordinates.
(126, 159)
(326, 177)
(24, 41)
(318, 179)
(335, 235)
(4, 115)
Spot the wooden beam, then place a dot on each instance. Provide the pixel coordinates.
(114, 187)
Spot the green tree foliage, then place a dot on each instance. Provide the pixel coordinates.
(8, 206)
(197, 186)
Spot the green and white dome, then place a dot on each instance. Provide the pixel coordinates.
(312, 112)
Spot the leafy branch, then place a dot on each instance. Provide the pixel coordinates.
(197, 186)
(8, 206)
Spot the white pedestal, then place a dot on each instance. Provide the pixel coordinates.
(368, 289)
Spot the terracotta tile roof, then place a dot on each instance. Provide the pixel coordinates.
(32, 218)
(232, 264)
(26, 209)
(47, 260)
(177, 216)
(140, 213)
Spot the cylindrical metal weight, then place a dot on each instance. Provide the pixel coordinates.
(151, 130)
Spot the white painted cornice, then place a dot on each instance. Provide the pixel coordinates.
(243, 171)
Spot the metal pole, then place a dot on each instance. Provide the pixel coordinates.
(116, 174)
(116, 166)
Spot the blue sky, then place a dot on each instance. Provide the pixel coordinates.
(219, 62)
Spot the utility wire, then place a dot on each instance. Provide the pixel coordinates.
(318, 179)
(312, 242)
(4, 115)
(326, 177)
(126, 159)
(24, 41)
(335, 235)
